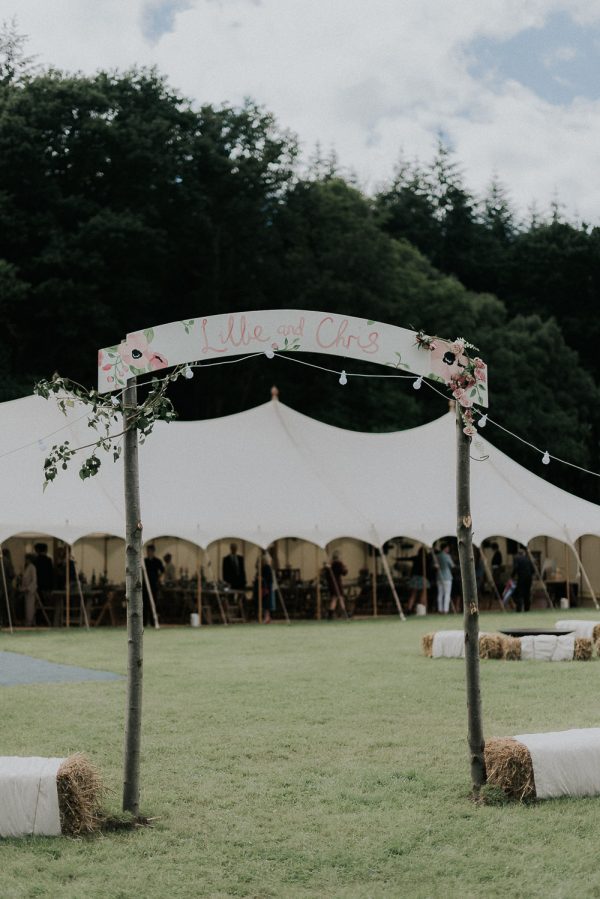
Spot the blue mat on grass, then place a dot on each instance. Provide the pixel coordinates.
(20, 669)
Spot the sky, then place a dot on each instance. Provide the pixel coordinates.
(512, 85)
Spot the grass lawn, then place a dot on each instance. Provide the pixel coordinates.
(323, 759)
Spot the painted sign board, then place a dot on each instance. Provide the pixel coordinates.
(293, 331)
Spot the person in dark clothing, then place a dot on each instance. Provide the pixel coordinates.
(419, 582)
(267, 586)
(496, 565)
(44, 568)
(154, 569)
(234, 572)
(522, 573)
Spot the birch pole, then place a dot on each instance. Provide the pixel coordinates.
(470, 604)
(135, 617)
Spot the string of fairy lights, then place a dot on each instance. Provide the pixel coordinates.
(343, 377)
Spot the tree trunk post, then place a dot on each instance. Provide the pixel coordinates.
(470, 604)
(135, 610)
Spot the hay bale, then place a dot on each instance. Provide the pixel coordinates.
(596, 634)
(427, 645)
(491, 646)
(509, 766)
(583, 649)
(79, 793)
(512, 649)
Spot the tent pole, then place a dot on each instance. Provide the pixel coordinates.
(490, 577)
(585, 575)
(83, 612)
(540, 578)
(199, 586)
(259, 583)
(68, 584)
(209, 568)
(374, 583)
(464, 535)
(567, 575)
(318, 583)
(5, 586)
(150, 596)
(424, 588)
(390, 579)
(279, 593)
(338, 592)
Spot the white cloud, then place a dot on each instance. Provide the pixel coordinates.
(370, 77)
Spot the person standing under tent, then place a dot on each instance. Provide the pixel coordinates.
(334, 573)
(154, 569)
(234, 572)
(267, 585)
(44, 567)
(29, 586)
(445, 566)
(418, 579)
(496, 564)
(170, 571)
(523, 574)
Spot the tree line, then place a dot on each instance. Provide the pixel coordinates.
(123, 205)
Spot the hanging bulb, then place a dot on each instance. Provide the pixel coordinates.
(546, 458)
(188, 373)
(343, 378)
(114, 400)
(482, 421)
(417, 384)
(269, 353)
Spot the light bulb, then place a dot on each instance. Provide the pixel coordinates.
(269, 353)
(546, 458)
(114, 400)
(482, 421)
(343, 378)
(417, 384)
(188, 373)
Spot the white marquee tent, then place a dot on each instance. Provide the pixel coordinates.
(270, 473)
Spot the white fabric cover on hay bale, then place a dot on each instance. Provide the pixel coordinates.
(581, 628)
(548, 648)
(29, 797)
(49, 797)
(565, 763)
(448, 645)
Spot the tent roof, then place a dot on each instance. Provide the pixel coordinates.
(271, 472)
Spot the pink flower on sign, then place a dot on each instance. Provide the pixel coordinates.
(462, 397)
(157, 362)
(458, 347)
(480, 375)
(135, 352)
(470, 431)
(478, 363)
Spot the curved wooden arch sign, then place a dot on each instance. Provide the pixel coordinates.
(294, 331)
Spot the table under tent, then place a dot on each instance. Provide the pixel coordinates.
(271, 475)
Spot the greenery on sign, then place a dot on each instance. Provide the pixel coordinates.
(105, 416)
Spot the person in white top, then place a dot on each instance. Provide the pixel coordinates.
(29, 587)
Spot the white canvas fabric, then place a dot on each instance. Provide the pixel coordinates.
(578, 627)
(565, 763)
(548, 648)
(29, 797)
(270, 473)
(448, 645)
